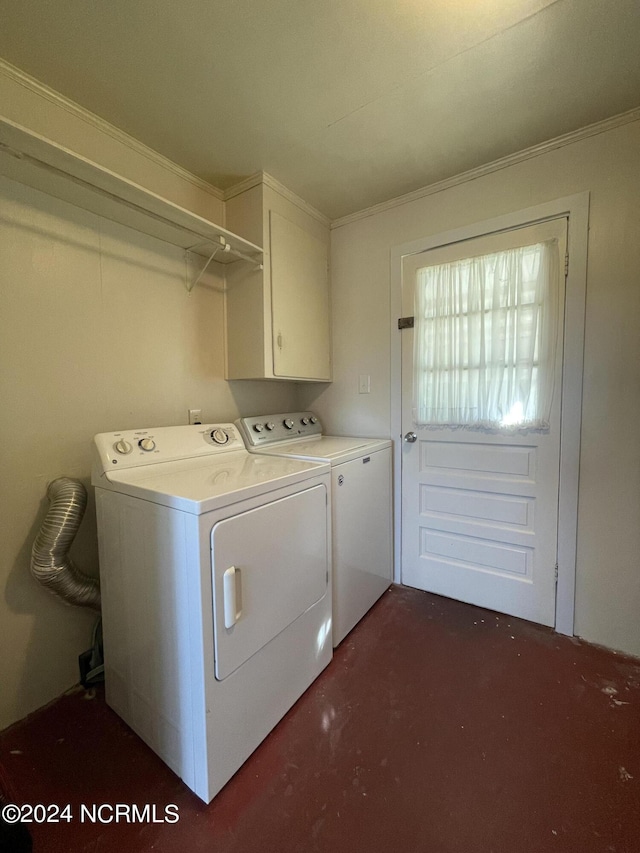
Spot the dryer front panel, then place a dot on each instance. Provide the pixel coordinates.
(270, 565)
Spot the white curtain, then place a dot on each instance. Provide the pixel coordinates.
(485, 340)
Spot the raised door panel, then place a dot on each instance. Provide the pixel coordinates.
(299, 302)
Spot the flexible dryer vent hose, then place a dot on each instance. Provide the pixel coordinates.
(50, 562)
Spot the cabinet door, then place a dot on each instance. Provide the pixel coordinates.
(299, 302)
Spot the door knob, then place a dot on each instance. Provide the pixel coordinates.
(410, 437)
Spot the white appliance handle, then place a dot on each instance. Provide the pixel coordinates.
(230, 580)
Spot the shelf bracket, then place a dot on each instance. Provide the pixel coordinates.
(224, 246)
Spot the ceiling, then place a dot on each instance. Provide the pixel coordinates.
(346, 102)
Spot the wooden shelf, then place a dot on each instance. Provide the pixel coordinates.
(40, 163)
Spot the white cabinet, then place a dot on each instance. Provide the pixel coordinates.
(278, 319)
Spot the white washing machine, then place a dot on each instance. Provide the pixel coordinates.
(215, 568)
(362, 551)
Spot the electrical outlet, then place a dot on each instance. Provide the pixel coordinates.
(195, 416)
(364, 383)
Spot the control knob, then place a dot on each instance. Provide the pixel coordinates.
(270, 425)
(122, 446)
(258, 427)
(313, 419)
(288, 423)
(147, 444)
(219, 436)
(304, 421)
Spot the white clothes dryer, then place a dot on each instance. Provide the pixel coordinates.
(362, 539)
(216, 591)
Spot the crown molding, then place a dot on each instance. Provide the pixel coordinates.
(495, 166)
(271, 182)
(36, 87)
(14, 74)
(244, 185)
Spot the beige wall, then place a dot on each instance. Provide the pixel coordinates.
(97, 332)
(607, 165)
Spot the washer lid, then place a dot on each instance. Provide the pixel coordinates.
(204, 484)
(330, 448)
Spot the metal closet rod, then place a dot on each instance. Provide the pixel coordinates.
(203, 241)
(222, 247)
(225, 247)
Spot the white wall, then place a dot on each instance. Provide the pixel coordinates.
(97, 332)
(607, 165)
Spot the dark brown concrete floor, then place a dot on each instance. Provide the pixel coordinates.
(438, 728)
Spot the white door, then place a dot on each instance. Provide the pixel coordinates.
(480, 507)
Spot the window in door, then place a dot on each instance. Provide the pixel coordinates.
(486, 332)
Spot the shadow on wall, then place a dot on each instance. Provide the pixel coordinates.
(255, 397)
(55, 627)
(310, 396)
(95, 226)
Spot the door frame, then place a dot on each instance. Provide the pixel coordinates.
(576, 208)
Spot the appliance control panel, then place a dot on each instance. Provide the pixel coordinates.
(267, 429)
(135, 447)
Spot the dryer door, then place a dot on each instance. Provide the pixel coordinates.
(270, 565)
